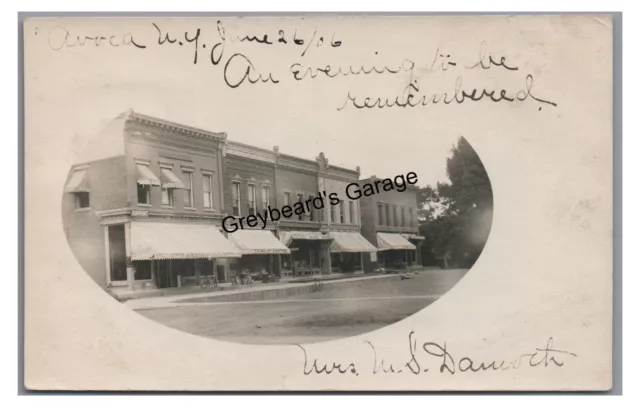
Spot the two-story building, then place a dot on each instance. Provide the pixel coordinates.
(390, 222)
(318, 241)
(143, 207)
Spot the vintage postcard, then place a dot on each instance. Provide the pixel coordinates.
(318, 203)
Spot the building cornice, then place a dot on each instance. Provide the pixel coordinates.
(172, 128)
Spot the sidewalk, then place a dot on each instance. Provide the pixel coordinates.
(253, 292)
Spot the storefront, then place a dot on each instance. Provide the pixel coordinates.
(309, 253)
(347, 251)
(261, 254)
(167, 254)
(414, 257)
(393, 250)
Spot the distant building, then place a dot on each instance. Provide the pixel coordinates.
(390, 222)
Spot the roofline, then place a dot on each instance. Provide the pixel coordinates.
(181, 128)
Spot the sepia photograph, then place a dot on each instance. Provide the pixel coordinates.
(214, 237)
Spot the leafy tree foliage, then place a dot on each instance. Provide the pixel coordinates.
(456, 216)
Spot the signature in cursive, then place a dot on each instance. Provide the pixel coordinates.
(423, 357)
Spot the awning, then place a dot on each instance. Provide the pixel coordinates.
(162, 241)
(146, 177)
(78, 182)
(346, 242)
(393, 241)
(257, 242)
(288, 237)
(170, 180)
(411, 236)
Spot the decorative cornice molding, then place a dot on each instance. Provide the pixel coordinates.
(174, 128)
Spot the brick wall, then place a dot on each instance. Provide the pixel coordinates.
(107, 180)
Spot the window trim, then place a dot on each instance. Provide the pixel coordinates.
(207, 175)
(189, 172)
(235, 185)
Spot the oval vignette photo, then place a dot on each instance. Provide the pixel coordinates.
(223, 239)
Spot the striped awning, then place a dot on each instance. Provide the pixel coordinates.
(146, 176)
(288, 237)
(393, 241)
(412, 236)
(170, 180)
(257, 242)
(78, 182)
(163, 241)
(350, 242)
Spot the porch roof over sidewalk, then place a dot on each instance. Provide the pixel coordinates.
(257, 242)
(164, 240)
(288, 237)
(350, 242)
(393, 241)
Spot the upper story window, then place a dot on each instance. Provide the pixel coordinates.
(235, 198)
(170, 182)
(402, 220)
(388, 213)
(188, 189)
(301, 199)
(380, 214)
(252, 199)
(82, 200)
(167, 196)
(287, 198)
(312, 212)
(410, 216)
(395, 216)
(144, 194)
(332, 213)
(352, 212)
(341, 207)
(78, 185)
(207, 194)
(265, 197)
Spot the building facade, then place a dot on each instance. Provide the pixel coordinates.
(390, 222)
(146, 206)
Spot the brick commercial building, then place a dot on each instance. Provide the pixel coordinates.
(146, 207)
(390, 222)
(322, 240)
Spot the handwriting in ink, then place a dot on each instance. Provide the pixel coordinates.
(166, 38)
(335, 367)
(411, 97)
(486, 60)
(434, 354)
(301, 72)
(60, 37)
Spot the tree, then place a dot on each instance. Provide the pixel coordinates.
(456, 217)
